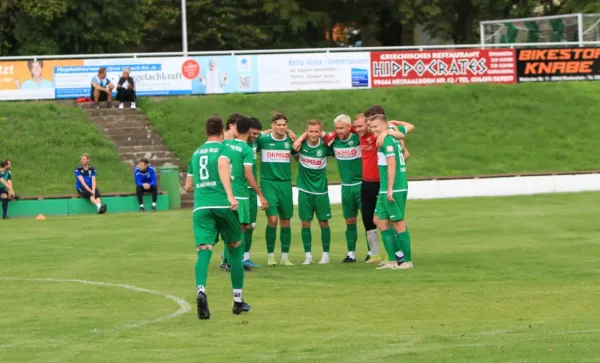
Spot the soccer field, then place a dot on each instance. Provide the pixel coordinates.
(496, 280)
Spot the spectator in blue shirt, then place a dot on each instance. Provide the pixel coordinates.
(145, 181)
(85, 182)
(102, 88)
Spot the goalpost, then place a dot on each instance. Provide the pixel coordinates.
(544, 29)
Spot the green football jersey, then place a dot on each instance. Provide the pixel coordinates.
(6, 176)
(391, 147)
(253, 146)
(275, 157)
(204, 168)
(240, 157)
(312, 173)
(348, 156)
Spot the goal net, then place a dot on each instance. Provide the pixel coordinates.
(544, 29)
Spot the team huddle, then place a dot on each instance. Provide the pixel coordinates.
(222, 173)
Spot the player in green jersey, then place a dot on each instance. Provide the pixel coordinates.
(6, 187)
(313, 197)
(276, 183)
(242, 175)
(346, 147)
(255, 132)
(391, 202)
(215, 212)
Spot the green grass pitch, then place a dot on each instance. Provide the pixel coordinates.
(496, 280)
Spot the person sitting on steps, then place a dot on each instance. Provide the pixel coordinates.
(126, 89)
(102, 88)
(145, 182)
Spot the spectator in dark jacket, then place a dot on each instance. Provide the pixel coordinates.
(126, 89)
(145, 181)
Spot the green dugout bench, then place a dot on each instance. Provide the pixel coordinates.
(74, 204)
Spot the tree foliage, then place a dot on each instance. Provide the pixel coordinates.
(38, 27)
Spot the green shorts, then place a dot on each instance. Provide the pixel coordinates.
(253, 199)
(278, 194)
(244, 211)
(311, 204)
(392, 211)
(209, 223)
(351, 200)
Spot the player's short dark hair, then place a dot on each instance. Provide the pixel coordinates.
(4, 163)
(214, 126)
(101, 70)
(233, 119)
(374, 110)
(279, 116)
(243, 125)
(145, 161)
(256, 123)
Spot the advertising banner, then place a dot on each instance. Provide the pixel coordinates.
(398, 68)
(558, 64)
(313, 71)
(162, 76)
(29, 80)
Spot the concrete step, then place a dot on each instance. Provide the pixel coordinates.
(155, 162)
(187, 200)
(111, 112)
(141, 132)
(89, 105)
(149, 155)
(142, 148)
(124, 141)
(133, 118)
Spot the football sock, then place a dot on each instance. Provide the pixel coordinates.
(237, 295)
(351, 237)
(201, 270)
(271, 235)
(98, 206)
(285, 256)
(226, 259)
(237, 267)
(248, 235)
(373, 241)
(307, 239)
(389, 242)
(286, 239)
(404, 241)
(326, 238)
(308, 255)
(153, 205)
(4, 207)
(246, 256)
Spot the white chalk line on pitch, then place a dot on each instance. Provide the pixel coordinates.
(184, 307)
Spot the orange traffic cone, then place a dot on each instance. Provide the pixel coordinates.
(40, 217)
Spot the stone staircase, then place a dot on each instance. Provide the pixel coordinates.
(130, 131)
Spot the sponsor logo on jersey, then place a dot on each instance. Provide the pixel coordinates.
(275, 156)
(286, 145)
(347, 153)
(381, 159)
(313, 163)
(351, 143)
(319, 153)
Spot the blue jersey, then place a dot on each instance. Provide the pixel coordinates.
(87, 175)
(145, 177)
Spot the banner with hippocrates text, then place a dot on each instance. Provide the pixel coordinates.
(313, 71)
(29, 80)
(162, 76)
(558, 64)
(399, 68)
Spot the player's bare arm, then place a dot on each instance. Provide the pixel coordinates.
(409, 127)
(254, 185)
(391, 161)
(82, 181)
(225, 176)
(189, 184)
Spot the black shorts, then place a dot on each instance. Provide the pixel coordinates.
(87, 195)
(103, 95)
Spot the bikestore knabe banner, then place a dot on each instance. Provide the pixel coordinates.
(162, 76)
(313, 71)
(398, 68)
(558, 64)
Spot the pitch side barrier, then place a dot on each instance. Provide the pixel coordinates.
(288, 70)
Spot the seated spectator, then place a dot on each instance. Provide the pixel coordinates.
(102, 88)
(145, 181)
(126, 89)
(6, 187)
(85, 182)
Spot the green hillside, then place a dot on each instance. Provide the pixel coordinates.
(44, 142)
(460, 130)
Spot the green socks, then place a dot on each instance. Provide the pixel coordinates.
(351, 237)
(201, 269)
(403, 240)
(326, 238)
(248, 238)
(307, 239)
(237, 266)
(286, 239)
(389, 242)
(271, 235)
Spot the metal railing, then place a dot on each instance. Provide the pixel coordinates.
(301, 50)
